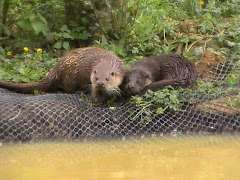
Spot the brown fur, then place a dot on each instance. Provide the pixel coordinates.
(75, 71)
(156, 72)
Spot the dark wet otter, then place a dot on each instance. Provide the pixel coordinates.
(156, 72)
(81, 69)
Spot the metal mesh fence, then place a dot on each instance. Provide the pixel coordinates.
(31, 118)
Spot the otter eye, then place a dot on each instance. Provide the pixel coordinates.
(112, 73)
(96, 78)
(107, 79)
(94, 71)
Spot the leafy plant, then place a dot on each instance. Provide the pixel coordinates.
(62, 37)
(167, 98)
(26, 67)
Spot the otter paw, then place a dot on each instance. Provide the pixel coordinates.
(97, 103)
(142, 92)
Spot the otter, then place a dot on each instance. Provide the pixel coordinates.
(156, 72)
(90, 68)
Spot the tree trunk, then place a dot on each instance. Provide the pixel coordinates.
(4, 15)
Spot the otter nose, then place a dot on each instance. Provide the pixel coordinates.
(101, 84)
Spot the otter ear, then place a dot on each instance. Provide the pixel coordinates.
(112, 73)
(147, 76)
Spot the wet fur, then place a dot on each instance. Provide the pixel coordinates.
(156, 72)
(73, 73)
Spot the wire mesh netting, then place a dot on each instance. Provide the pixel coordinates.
(31, 118)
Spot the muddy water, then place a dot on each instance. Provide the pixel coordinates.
(182, 158)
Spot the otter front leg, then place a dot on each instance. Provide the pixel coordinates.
(155, 86)
(98, 96)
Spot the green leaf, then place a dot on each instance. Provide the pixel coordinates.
(66, 45)
(104, 40)
(66, 35)
(57, 35)
(85, 20)
(3, 38)
(121, 14)
(75, 35)
(160, 110)
(230, 44)
(129, 19)
(198, 51)
(42, 18)
(84, 35)
(31, 16)
(78, 29)
(23, 71)
(25, 25)
(64, 28)
(49, 36)
(57, 45)
(36, 92)
(39, 27)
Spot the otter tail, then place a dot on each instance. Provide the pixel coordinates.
(46, 84)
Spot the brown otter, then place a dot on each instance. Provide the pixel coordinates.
(156, 72)
(80, 69)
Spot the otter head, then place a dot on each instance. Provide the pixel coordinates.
(105, 77)
(136, 80)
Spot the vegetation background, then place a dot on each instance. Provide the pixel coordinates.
(35, 33)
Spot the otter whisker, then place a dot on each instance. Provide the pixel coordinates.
(88, 87)
(114, 91)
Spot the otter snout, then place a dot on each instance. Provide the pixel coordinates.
(130, 87)
(100, 85)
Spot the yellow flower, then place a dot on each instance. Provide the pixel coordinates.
(170, 19)
(141, 57)
(26, 49)
(39, 50)
(201, 2)
(111, 107)
(9, 53)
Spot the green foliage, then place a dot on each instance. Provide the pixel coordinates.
(167, 98)
(130, 28)
(192, 7)
(233, 77)
(62, 37)
(234, 103)
(209, 88)
(34, 22)
(26, 67)
(85, 99)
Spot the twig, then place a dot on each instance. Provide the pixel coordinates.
(205, 44)
(141, 111)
